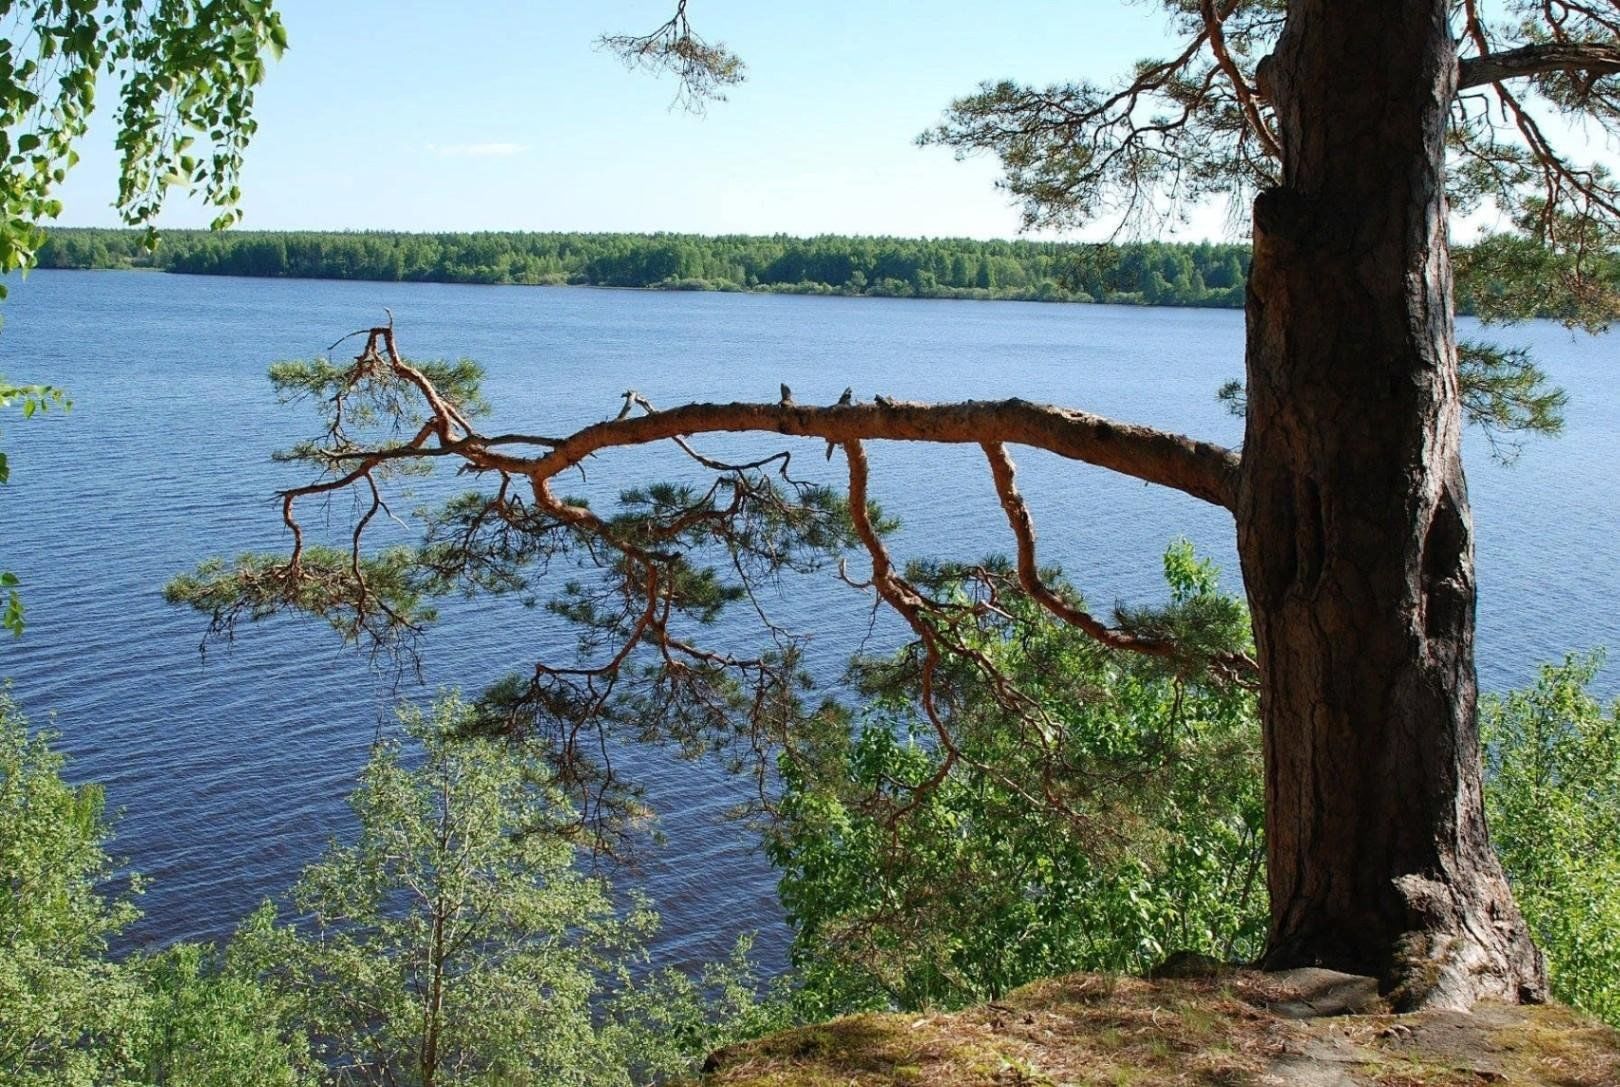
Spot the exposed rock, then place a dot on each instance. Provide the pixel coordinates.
(1322, 993)
(1235, 1029)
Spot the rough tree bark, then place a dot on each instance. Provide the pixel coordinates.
(1354, 527)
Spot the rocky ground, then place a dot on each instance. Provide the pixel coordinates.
(1311, 1028)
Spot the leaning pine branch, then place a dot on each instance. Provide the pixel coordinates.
(1202, 469)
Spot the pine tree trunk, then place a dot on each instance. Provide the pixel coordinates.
(1354, 527)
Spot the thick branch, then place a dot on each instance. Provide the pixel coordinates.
(1029, 572)
(1201, 469)
(645, 579)
(1233, 665)
(1592, 58)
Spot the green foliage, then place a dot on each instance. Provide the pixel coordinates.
(185, 73)
(453, 942)
(456, 942)
(1148, 273)
(207, 1023)
(70, 1016)
(1506, 394)
(1162, 133)
(692, 551)
(1199, 620)
(1157, 274)
(377, 596)
(666, 1020)
(29, 399)
(66, 1012)
(1122, 825)
(1509, 277)
(1184, 127)
(1552, 757)
(369, 394)
(1503, 392)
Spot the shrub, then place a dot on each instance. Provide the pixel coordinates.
(1552, 759)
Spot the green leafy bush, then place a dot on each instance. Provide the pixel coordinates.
(207, 1022)
(456, 941)
(70, 1015)
(65, 1010)
(982, 885)
(1552, 755)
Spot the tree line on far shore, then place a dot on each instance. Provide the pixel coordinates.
(1202, 274)
(1208, 274)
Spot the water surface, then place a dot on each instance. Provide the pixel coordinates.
(231, 769)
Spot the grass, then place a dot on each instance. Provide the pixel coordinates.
(1213, 1032)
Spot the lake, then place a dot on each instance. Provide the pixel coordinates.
(231, 768)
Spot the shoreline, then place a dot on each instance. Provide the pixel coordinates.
(813, 291)
(1181, 275)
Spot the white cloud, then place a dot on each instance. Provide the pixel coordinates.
(473, 150)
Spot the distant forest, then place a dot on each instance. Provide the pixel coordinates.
(1143, 274)
(1156, 274)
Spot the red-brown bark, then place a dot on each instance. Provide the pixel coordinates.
(1354, 528)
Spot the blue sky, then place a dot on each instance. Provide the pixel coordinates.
(500, 115)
